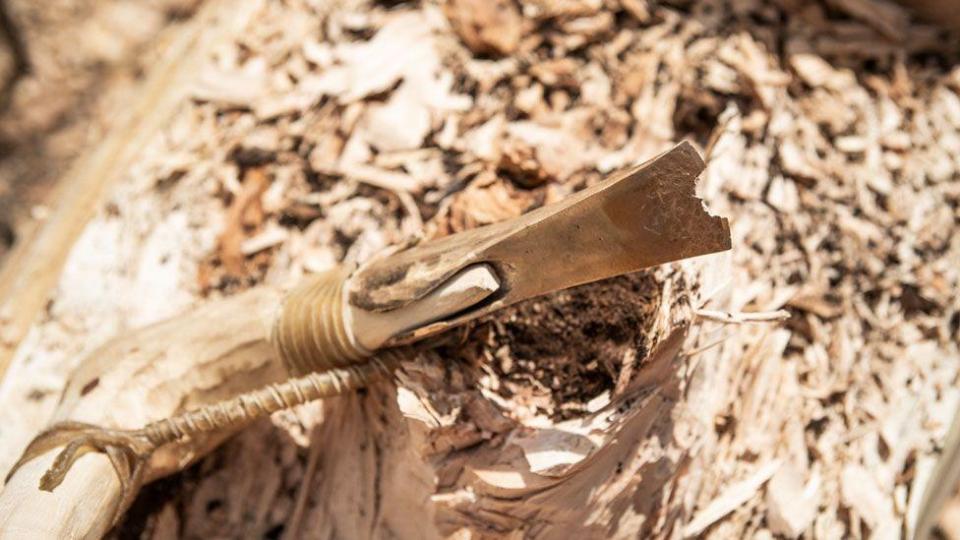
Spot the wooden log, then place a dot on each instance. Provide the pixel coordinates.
(204, 356)
(155, 373)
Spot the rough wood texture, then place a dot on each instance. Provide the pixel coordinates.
(205, 356)
(133, 381)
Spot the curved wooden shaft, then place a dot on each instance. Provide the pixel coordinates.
(236, 412)
(213, 352)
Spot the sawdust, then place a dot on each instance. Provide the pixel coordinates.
(831, 136)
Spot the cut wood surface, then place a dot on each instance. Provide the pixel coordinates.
(323, 134)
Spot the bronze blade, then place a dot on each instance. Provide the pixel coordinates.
(642, 217)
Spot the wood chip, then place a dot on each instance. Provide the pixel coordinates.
(733, 497)
(486, 26)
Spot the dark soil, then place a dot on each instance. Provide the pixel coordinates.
(573, 345)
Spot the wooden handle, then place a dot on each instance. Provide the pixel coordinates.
(214, 352)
